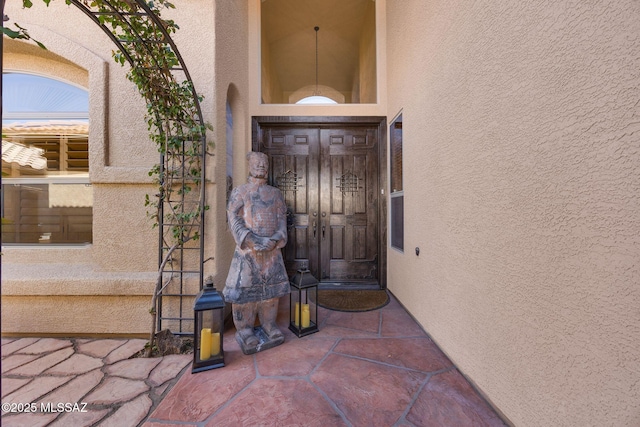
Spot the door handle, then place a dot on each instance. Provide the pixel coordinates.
(324, 214)
(314, 229)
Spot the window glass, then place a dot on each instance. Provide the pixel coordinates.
(46, 195)
(397, 193)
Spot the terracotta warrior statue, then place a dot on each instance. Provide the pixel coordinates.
(257, 276)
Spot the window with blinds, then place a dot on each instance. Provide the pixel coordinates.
(46, 194)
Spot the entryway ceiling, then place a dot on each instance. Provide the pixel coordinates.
(289, 25)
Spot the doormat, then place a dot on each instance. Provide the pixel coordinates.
(352, 300)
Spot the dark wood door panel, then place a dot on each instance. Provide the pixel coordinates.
(329, 176)
(293, 168)
(348, 196)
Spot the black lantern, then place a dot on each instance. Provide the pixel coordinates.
(208, 326)
(303, 303)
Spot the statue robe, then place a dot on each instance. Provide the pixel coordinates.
(260, 209)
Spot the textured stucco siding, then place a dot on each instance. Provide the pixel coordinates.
(522, 190)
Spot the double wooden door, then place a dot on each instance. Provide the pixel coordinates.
(329, 176)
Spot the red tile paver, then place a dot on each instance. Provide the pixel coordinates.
(368, 321)
(278, 403)
(369, 394)
(196, 396)
(398, 323)
(296, 359)
(449, 400)
(414, 353)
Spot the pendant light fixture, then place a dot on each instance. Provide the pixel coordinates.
(317, 92)
(316, 97)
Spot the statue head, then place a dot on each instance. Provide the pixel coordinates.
(258, 164)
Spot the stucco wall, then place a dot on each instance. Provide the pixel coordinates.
(231, 85)
(365, 91)
(522, 189)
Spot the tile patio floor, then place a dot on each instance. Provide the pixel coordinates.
(375, 368)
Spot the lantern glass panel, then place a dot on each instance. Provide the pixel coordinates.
(208, 351)
(209, 334)
(303, 305)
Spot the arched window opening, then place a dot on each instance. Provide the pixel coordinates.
(316, 99)
(46, 194)
(229, 141)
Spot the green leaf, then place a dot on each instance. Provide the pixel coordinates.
(10, 33)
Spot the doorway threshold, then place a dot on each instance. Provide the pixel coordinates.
(349, 286)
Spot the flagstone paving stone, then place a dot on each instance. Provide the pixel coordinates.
(116, 390)
(80, 419)
(99, 348)
(28, 419)
(168, 368)
(76, 364)
(35, 389)
(9, 385)
(138, 368)
(41, 364)
(11, 362)
(46, 345)
(121, 393)
(129, 414)
(77, 388)
(16, 345)
(125, 351)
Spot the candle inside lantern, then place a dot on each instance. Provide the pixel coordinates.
(297, 315)
(205, 343)
(305, 316)
(215, 343)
